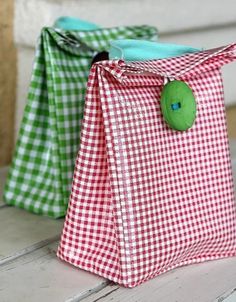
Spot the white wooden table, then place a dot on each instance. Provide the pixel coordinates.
(31, 272)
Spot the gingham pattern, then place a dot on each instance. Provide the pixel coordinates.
(41, 173)
(146, 198)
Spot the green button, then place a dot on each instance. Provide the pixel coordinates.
(178, 105)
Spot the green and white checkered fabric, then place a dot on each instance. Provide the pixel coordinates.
(41, 173)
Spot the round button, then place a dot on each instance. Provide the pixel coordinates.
(178, 105)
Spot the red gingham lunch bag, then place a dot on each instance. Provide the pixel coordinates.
(147, 198)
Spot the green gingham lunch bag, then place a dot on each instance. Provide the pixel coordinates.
(40, 176)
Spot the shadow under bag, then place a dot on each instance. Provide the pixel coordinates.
(41, 172)
(147, 198)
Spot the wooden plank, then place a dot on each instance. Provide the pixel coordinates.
(25, 56)
(7, 81)
(232, 144)
(3, 175)
(20, 229)
(229, 296)
(114, 13)
(233, 159)
(202, 282)
(231, 126)
(29, 249)
(40, 276)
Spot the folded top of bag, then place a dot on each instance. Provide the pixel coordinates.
(90, 42)
(140, 50)
(71, 23)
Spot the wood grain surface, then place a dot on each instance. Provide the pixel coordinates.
(7, 81)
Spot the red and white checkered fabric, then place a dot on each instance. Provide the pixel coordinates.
(146, 198)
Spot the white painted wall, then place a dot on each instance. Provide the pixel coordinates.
(202, 23)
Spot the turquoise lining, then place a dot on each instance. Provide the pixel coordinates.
(140, 50)
(70, 23)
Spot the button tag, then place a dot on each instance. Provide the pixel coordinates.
(178, 105)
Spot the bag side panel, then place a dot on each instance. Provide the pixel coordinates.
(174, 189)
(89, 236)
(41, 173)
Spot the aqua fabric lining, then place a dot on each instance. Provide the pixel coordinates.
(71, 23)
(136, 50)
